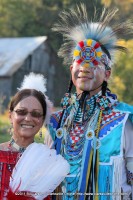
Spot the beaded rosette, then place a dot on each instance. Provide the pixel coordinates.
(88, 53)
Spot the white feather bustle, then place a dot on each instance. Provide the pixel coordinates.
(39, 171)
(38, 82)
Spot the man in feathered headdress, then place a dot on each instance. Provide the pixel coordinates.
(94, 131)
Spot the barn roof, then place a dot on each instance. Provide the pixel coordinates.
(14, 51)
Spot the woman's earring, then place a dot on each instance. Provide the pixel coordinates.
(11, 130)
(40, 133)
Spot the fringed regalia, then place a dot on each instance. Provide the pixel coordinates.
(94, 134)
(93, 142)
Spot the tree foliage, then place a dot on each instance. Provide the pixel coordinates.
(20, 18)
(122, 78)
(125, 8)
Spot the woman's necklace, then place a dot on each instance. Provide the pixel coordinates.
(16, 146)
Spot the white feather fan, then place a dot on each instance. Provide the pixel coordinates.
(39, 170)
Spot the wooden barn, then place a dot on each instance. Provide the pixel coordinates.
(20, 56)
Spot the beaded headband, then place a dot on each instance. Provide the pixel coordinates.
(90, 42)
(88, 53)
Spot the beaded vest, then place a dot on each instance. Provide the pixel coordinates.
(80, 139)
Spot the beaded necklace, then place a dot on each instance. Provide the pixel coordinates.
(16, 146)
(20, 150)
(88, 121)
(73, 140)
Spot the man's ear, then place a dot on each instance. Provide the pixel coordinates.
(107, 74)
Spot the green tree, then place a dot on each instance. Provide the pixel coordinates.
(122, 81)
(125, 8)
(20, 18)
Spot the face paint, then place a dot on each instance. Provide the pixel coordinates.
(87, 79)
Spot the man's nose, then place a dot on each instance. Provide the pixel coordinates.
(85, 68)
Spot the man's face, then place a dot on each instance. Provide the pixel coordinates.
(88, 78)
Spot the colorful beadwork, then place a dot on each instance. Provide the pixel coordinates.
(90, 134)
(88, 53)
(103, 102)
(65, 100)
(84, 130)
(13, 143)
(98, 143)
(59, 133)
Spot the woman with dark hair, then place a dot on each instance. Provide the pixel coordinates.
(24, 163)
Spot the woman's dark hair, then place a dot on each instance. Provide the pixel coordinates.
(22, 94)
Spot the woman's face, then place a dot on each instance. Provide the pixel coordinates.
(27, 118)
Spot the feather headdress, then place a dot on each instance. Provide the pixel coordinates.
(79, 32)
(38, 82)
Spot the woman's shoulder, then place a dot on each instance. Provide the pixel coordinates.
(4, 146)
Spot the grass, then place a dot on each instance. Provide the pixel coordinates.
(4, 130)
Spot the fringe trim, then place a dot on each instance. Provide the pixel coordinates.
(117, 178)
